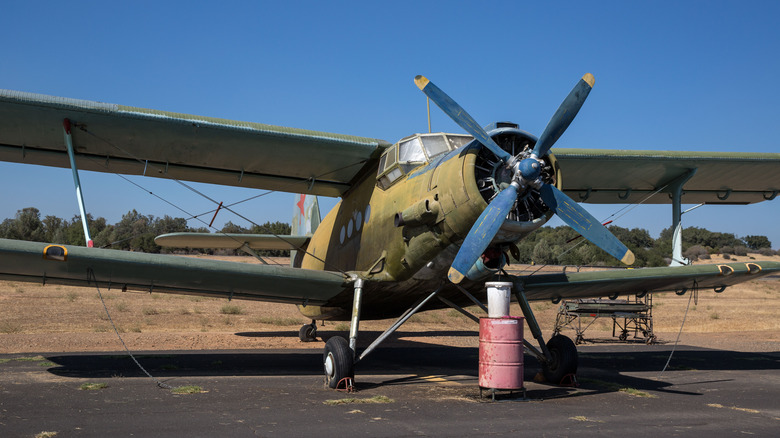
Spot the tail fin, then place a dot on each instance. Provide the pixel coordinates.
(307, 215)
(305, 221)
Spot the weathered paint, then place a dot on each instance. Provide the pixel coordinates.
(122, 139)
(25, 261)
(399, 264)
(501, 353)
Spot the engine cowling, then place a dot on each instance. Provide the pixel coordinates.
(529, 212)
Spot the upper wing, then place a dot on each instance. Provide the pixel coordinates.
(79, 266)
(639, 281)
(121, 139)
(231, 241)
(622, 177)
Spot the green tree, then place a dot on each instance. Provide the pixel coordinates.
(757, 242)
(126, 234)
(275, 228)
(232, 228)
(54, 229)
(74, 231)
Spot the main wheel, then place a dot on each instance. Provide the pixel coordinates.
(564, 359)
(308, 333)
(338, 361)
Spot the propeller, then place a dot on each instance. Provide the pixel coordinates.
(526, 173)
(459, 116)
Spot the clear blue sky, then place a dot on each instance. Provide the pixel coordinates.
(695, 75)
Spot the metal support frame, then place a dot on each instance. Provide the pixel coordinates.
(533, 325)
(398, 323)
(459, 309)
(354, 323)
(472, 298)
(675, 191)
(252, 252)
(76, 181)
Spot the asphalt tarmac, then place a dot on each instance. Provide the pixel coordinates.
(417, 391)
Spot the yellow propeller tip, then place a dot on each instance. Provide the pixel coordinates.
(455, 276)
(628, 258)
(421, 81)
(589, 79)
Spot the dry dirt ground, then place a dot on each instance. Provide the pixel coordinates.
(36, 318)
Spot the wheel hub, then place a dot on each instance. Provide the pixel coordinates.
(329, 365)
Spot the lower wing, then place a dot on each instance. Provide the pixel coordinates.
(79, 266)
(640, 281)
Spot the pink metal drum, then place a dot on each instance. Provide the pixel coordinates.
(501, 353)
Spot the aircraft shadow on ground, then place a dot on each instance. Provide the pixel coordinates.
(366, 336)
(599, 371)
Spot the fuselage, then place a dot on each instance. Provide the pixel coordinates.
(400, 226)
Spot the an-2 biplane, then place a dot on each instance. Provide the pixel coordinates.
(422, 223)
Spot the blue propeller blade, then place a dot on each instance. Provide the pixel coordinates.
(564, 115)
(491, 219)
(581, 221)
(481, 233)
(459, 115)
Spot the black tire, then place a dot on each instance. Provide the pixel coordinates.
(307, 333)
(337, 360)
(564, 359)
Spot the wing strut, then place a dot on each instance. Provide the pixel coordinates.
(79, 196)
(398, 323)
(676, 192)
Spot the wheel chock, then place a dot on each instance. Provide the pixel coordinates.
(569, 381)
(346, 385)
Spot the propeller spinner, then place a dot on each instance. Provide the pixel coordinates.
(526, 173)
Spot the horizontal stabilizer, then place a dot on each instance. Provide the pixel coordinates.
(231, 241)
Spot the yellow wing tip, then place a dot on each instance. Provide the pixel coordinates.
(421, 81)
(455, 276)
(589, 79)
(628, 258)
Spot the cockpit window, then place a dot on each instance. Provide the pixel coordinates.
(457, 141)
(410, 151)
(435, 145)
(391, 157)
(413, 151)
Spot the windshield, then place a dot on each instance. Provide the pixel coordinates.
(411, 151)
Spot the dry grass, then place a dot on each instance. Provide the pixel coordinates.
(29, 308)
(377, 399)
(93, 386)
(190, 389)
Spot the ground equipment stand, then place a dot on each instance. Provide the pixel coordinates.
(628, 315)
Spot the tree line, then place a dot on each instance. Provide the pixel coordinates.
(134, 232)
(559, 245)
(562, 246)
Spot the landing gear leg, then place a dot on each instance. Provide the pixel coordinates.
(308, 333)
(558, 356)
(339, 355)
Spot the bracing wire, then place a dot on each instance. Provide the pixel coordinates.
(694, 293)
(189, 187)
(91, 277)
(615, 216)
